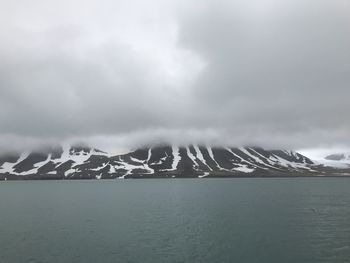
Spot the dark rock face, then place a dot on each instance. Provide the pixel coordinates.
(28, 163)
(81, 162)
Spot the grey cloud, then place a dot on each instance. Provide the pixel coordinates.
(273, 73)
(110, 89)
(281, 72)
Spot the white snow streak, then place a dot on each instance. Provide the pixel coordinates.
(191, 156)
(177, 157)
(204, 175)
(256, 158)
(200, 156)
(210, 151)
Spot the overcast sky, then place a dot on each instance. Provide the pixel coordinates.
(118, 74)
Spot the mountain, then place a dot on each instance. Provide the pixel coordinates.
(341, 157)
(81, 162)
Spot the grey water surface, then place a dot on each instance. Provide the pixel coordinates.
(176, 220)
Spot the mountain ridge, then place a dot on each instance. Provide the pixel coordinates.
(161, 161)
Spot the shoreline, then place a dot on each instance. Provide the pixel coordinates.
(172, 178)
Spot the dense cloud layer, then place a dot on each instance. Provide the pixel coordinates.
(125, 73)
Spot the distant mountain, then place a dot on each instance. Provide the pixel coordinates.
(81, 162)
(342, 157)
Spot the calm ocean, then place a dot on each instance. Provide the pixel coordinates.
(297, 220)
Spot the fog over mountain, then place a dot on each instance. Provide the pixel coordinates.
(119, 74)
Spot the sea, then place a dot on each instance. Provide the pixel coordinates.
(243, 220)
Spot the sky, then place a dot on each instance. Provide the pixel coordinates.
(118, 74)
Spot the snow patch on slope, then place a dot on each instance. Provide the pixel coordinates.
(191, 156)
(210, 151)
(200, 156)
(256, 159)
(204, 175)
(177, 157)
(8, 167)
(244, 168)
(36, 167)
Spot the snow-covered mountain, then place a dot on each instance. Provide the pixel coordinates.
(337, 160)
(79, 162)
